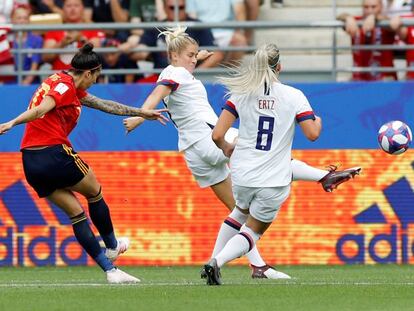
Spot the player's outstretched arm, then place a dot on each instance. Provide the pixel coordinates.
(223, 124)
(113, 107)
(33, 113)
(152, 101)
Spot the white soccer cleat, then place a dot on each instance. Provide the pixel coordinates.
(268, 272)
(276, 275)
(116, 276)
(122, 247)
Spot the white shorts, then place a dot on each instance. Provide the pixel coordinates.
(207, 162)
(263, 203)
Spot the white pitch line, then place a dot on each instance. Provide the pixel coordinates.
(267, 283)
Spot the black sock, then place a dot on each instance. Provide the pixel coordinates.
(88, 241)
(101, 218)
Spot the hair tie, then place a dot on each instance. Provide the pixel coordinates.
(94, 68)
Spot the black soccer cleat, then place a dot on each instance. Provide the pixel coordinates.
(334, 178)
(213, 272)
(203, 273)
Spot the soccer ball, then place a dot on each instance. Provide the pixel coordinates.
(394, 137)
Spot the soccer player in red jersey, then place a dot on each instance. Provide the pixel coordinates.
(56, 171)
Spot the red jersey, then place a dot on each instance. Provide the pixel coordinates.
(62, 61)
(55, 126)
(373, 58)
(410, 53)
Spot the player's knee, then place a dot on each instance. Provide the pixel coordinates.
(95, 195)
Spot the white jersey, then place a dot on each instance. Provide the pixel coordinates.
(188, 106)
(267, 124)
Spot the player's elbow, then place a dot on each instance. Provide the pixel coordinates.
(312, 136)
(312, 133)
(311, 128)
(217, 137)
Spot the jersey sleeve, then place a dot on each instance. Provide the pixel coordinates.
(231, 107)
(174, 77)
(81, 93)
(62, 93)
(304, 110)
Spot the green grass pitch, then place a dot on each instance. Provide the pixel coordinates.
(379, 287)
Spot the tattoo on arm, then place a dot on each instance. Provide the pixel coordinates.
(110, 106)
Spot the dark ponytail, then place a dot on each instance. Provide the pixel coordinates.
(86, 59)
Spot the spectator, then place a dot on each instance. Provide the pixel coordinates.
(72, 13)
(117, 60)
(218, 11)
(142, 11)
(370, 34)
(47, 6)
(151, 38)
(407, 35)
(393, 8)
(109, 11)
(21, 15)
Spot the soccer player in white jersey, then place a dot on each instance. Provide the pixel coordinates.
(190, 111)
(261, 159)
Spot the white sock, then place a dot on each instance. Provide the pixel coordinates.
(238, 245)
(254, 257)
(229, 229)
(303, 171)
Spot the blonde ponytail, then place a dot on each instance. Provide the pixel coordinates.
(177, 39)
(261, 70)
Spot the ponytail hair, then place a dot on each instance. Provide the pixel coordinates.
(177, 39)
(86, 59)
(260, 70)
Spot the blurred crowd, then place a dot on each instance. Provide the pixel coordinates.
(363, 30)
(123, 42)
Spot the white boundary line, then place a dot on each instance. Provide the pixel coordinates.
(265, 282)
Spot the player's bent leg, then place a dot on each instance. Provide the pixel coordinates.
(89, 186)
(231, 225)
(334, 178)
(237, 246)
(224, 193)
(67, 201)
(229, 228)
(98, 209)
(303, 171)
